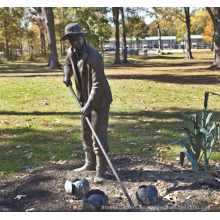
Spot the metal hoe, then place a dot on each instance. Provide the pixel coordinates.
(103, 150)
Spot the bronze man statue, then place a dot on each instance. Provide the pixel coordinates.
(93, 91)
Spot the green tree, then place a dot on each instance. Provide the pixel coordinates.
(10, 28)
(164, 18)
(135, 25)
(34, 39)
(91, 19)
(62, 17)
(39, 20)
(182, 14)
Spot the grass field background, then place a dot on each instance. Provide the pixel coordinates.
(40, 120)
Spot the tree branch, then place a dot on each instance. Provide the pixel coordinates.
(211, 14)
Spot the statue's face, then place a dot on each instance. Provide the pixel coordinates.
(76, 41)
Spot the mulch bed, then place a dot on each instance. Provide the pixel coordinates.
(179, 189)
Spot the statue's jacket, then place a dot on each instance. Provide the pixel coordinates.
(93, 91)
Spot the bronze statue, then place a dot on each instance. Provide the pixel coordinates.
(93, 91)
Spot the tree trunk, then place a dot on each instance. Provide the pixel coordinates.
(6, 49)
(137, 41)
(124, 37)
(6, 42)
(216, 22)
(48, 12)
(61, 47)
(159, 37)
(42, 35)
(115, 11)
(213, 37)
(188, 40)
(21, 49)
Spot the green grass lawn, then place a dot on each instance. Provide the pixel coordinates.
(40, 120)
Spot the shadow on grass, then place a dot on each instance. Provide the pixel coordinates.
(170, 78)
(38, 113)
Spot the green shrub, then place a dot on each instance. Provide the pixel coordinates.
(201, 139)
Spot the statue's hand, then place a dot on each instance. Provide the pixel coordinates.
(85, 111)
(67, 80)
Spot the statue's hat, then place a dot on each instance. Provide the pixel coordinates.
(72, 29)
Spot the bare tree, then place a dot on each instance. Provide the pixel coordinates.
(49, 18)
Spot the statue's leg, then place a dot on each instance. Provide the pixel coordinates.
(87, 142)
(99, 120)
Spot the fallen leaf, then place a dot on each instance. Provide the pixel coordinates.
(19, 196)
(158, 136)
(177, 158)
(175, 192)
(127, 149)
(18, 146)
(29, 170)
(167, 148)
(70, 201)
(171, 162)
(22, 175)
(161, 183)
(168, 197)
(29, 210)
(212, 163)
(28, 119)
(159, 148)
(217, 165)
(189, 197)
(58, 162)
(57, 120)
(3, 185)
(116, 136)
(9, 152)
(29, 155)
(162, 192)
(45, 121)
(69, 130)
(217, 179)
(137, 168)
(132, 143)
(216, 202)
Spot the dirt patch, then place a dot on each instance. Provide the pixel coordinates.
(180, 189)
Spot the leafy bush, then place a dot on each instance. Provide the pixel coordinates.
(201, 139)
